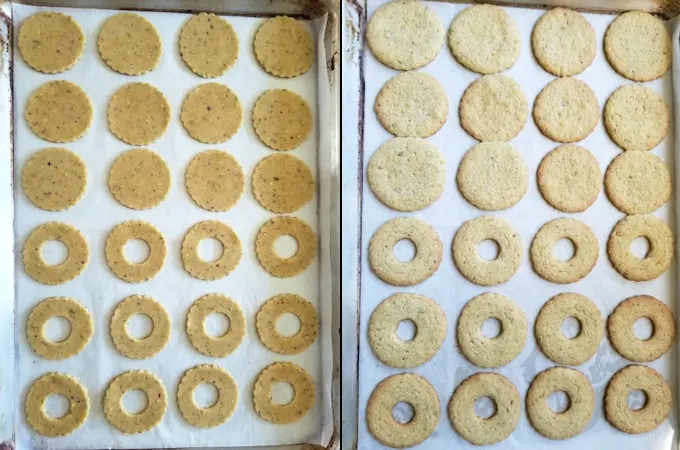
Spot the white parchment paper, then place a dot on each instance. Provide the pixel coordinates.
(97, 213)
(604, 286)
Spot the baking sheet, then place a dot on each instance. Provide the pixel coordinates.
(96, 214)
(604, 286)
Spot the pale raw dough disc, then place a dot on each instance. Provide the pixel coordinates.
(139, 179)
(129, 44)
(54, 179)
(215, 180)
(282, 183)
(284, 47)
(208, 45)
(211, 113)
(138, 114)
(51, 42)
(282, 119)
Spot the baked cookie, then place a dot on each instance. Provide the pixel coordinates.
(215, 346)
(214, 180)
(56, 383)
(78, 318)
(77, 257)
(272, 230)
(59, 111)
(211, 113)
(284, 47)
(51, 42)
(147, 346)
(208, 45)
(299, 406)
(54, 179)
(157, 402)
(115, 251)
(129, 44)
(282, 183)
(282, 119)
(138, 114)
(272, 310)
(227, 396)
(637, 182)
(139, 179)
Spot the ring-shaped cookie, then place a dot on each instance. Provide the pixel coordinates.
(569, 422)
(216, 346)
(430, 323)
(622, 336)
(222, 266)
(269, 313)
(78, 253)
(56, 383)
(144, 420)
(586, 251)
(115, 251)
(282, 226)
(145, 347)
(227, 396)
(78, 317)
(499, 350)
(302, 401)
(554, 344)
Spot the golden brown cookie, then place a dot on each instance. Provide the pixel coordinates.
(211, 113)
(145, 420)
(59, 111)
(222, 266)
(78, 253)
(282, 183)
(282, 226)
(115, 251)
(139, 179)
(215, 346)
(302, 401)
(129, 44)
(56, 383)
(269, 313)
(284, 47)
(208, 45)
(51, 42)
(214, 180)
(227, 396)
(637, 182)
(145, 347)
(54, 179)
(138, 114)
(282, 119)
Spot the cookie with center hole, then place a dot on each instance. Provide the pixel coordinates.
(77, 257)
(147, 346)
(224, 406)
(270, 260)
(56, 383)
(79, 320)
(115, 251)
(157, 402)
(273, 309)
(299, 406)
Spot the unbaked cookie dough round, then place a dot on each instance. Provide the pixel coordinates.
(211, 113)
(222, 266)
(303, 387)
(138, 114)
(637, 182)
(208, 45)
(282, 183)
(78, 253)
(54, 179)
(285, 226)
(284, 47)
(227, 396)
(139, 179)
(147, 346)
(59, 111)
(214, 180)
(282, 119)
(51, 42)
(269, 313)
(412, 104)
(145, 420)
(215, 346)
(77, 316)
(115, 251)
(129, 44)
(56, 383)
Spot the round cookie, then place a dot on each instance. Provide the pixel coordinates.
(78, 318)
(492, 176)
(211, 113)
(59, 111)
(656, 408)
(622, 337)
(563, 42)
(115, 251)
(51, 42)
(569, 178)
(410, 388)
(78, 253)
(139, 179)
(56, 383)
(407, 174)
(586, 251)
(269, 313)
(215, 346)
(636, 118)
(299, 406)
(426, 261)
(637, 182)
(430, 323)
(222, 266)
(138, 114)
(554, 344)
(227, 396)
(493, 429)
(466, 253)
(145, 420)
(54, 179)
(214, 180)
(282, 119)
(282, 183)
(497, 351)
(566, 110)
(404, 35)
(412, 104)
(493, 108)
(281, 226)
(145, 347)
(638, 46)
(284, 47)
(484, 39)
(208, 45)
(129, 44)
(661, 247)
(573, 420)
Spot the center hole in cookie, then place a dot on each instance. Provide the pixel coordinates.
(571, 327)
(405, 250)
(288, 324)
(403, 412)
(640, 247)
(136, 251)
(139, 326)
(488, 249)
(57, 329)
(210, 249)
(564, 250)
(54, 252)
(135, 401)
(286, 246)
(485, 407)
(56, 406)
(282, 393)
(406, 330)
(643, 328)
(491, 328)
(637, 399)
(216, 325)
(205, 395)
(559, 401)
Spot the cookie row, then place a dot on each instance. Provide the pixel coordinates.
(52, 42)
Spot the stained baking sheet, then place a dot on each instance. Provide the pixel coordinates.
(604, 286)
(97, 213)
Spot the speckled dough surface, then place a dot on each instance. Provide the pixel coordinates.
(271, 311)
(78, 253)
(211, 113)
(129, 44)
(51, 42)
(59, 111)
(208, 45)
(222, 266)
(157, 402)
(214, 180)
(145, 347)
(139, 179)
(215, 346)
(298, 407)
(78, 318)
(284, 47)
(227, 396)
(282, 183)
(56, 383)
(274, 229)
(637, 182)
(282, 119)
(115, 251)
(54, 179)
(138, 114)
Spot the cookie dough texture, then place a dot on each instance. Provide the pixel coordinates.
(282, 183)
(493, 108)
(274, 229)
(493, 429)
(484, 39)
(407, 174)
(59, 111)
(273, 309)
(412, 104)
(637, 182)
(54, 179)
(208, 45)
(77, 259)
(656, 409)
(56, 383)
(405, 35)
(222, 266)
(638, 46)
(215, 180)
(563, 42)
(636, 118)
(284, 47)
(623, 339)
(215, 346)
(569, 178)
(139, 179)
(78, 318)
(157, 402)
(115, 251)
(227, 396)
(51, 42)
(282, 119)
(211, 113)
(493, 176)
(430, 323)
(138, 114)
(303, 387)
(129, 44)
(147, 346)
